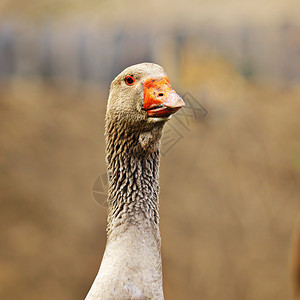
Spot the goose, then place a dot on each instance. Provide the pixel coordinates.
(140, 102)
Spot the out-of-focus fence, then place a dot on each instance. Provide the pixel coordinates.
(82, 52)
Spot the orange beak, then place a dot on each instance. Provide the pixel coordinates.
(160, 100)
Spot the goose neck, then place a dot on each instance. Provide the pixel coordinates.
(133, 172)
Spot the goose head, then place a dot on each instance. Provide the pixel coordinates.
(141, 96)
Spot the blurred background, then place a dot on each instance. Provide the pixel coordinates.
(231, 159)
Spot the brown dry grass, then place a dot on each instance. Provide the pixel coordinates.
(295, 261)
(229, 193)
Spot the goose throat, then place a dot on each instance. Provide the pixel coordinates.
(133, 174)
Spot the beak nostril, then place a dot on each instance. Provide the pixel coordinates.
(160, 94)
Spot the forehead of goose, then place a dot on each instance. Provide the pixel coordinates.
(144, 70)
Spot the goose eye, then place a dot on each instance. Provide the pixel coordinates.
(129, 80)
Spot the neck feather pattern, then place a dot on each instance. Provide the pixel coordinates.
(133, 171)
